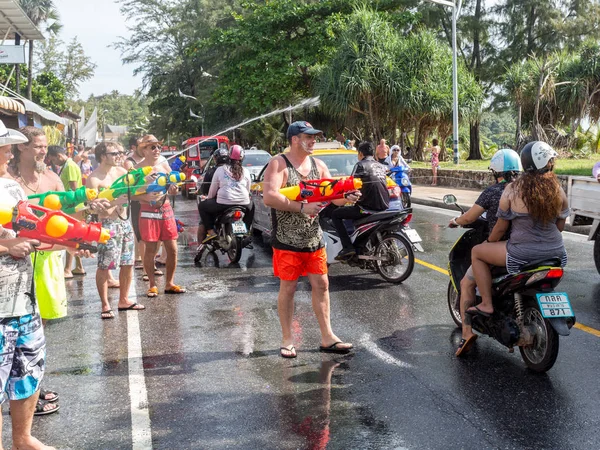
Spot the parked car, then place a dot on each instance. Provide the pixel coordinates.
(340, 162)
(255, 160)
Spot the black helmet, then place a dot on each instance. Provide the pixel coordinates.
(221, 156)
(535, 157)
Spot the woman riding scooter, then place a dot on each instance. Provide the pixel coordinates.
(230, 186)
(505, 166)
(536, 207)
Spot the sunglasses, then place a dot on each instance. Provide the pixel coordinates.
(115, 153)
(395, 151)
(155, 147)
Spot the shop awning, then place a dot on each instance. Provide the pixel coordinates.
(11, 105)
(35, 108)
(13, 19)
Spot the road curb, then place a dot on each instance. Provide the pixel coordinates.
(581, 229)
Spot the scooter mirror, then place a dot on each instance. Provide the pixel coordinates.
(449, 199)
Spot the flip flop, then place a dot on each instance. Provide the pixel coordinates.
(106, 317)
(465, 345)
(39, 408)
(145, 278)
(158, 273)
(292, 351)
(44, 393)
(333, 348)
(175, 290)
(134, 307)
(478, 311)
(139, 265)
(114, 286)
(69, 278)
(152, 292)
(79, 273)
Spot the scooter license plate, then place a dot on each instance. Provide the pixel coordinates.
(239, 228)
(555, 304)
(412, 235)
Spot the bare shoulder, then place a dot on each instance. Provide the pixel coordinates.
(323, 169)
(276, 164)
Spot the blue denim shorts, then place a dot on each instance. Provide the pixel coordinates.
(22, 356)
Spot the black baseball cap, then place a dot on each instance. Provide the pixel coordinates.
(300, 127)
(54, 150)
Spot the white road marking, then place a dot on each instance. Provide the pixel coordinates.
(141, 434)
(371, 347)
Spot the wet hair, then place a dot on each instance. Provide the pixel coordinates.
(434, 142)
(103, 147)
(236, 169)
(30, 133)
(541, 194)
(366, 148)
(133, 141)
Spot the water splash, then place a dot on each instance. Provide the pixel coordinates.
(306, 103)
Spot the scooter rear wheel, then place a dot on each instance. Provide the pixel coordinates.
(399, 255)
(542, 354)
(454, 304)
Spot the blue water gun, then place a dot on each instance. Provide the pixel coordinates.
(177, 163)
(161, 183)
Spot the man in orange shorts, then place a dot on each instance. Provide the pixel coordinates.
(298, 247)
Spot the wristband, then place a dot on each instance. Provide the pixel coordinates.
(454, 222)
(301, 206)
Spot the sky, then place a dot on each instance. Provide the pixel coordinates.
(97, 24)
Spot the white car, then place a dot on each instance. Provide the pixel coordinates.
(255, 160)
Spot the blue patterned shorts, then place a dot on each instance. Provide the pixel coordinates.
(118, 251)
(22, 356)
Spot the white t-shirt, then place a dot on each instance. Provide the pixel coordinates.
(15, 273)
(228, 190)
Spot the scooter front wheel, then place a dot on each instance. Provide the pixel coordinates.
(397, 259)
(406, 199)
(454, 304)
(541, 355)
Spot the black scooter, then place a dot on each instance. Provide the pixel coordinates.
(527, 312)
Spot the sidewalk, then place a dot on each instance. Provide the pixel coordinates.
(433, 195)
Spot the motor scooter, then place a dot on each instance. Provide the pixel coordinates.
(384, 243)
(400, 176)
(232, 235)
(528, 313)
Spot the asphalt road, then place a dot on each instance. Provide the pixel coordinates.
(202, 371)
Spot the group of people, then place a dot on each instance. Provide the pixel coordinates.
(32, 286)
(392, 157)
(526, 214)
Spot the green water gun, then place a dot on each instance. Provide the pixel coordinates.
(66, 201)
(133, 182)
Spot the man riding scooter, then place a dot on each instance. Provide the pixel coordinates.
(505, 166)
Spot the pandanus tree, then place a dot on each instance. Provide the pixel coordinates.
(388, 81)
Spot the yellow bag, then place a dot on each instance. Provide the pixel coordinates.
(50, 291)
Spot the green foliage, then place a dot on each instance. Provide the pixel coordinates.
(67, 61)
(49, 92)
(117, 109)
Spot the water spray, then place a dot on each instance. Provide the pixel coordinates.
(306, 103)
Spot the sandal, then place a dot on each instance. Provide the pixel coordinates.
(334, 348)
(152, 292)
(145, 278)
(288, 352)
(45, 393)
(175, 290)
(42, 410)
(133, 307)
(107, 314)
(465, 345)
(138, 265)
(158, 272)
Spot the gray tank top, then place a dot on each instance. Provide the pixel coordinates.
(293, 230)
(531, 240)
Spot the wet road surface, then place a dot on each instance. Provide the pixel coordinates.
(210, 376)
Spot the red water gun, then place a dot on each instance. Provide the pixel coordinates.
(323, 190)
(52, 227)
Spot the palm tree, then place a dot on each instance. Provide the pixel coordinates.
(40, 12)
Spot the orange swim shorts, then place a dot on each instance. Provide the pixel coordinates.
(289, 265)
